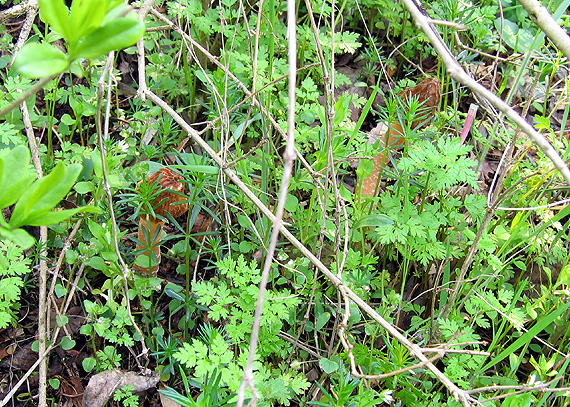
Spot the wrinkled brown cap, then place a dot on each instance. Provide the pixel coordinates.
(168, 181)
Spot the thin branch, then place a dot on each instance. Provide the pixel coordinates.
(541, 17)
(15, 11)
(107, 188)
(457, 73)
(288, 159)
(42, 301)
(32, 12)
(413, 348)
(143, 11)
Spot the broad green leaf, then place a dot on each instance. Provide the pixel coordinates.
(55, 383)
(328, 366)
(67, 343)
(144, 261)
(45, 193)
(14, 175)
(89, 364)
(96, 262)
(322, 320)
(114, 10)
(204, 169)
(365, 168)
(44, 218)
(56, 14)
(292, 203)
(373, 221)
(117, 34)
(86, 16)
(84, 187)
(97, 230)
(38, 60)
(19, 236)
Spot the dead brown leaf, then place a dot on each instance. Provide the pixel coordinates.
(102, 386)
(165, 401)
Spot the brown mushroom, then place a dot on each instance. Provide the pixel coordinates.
(171, 188)
(428, 92)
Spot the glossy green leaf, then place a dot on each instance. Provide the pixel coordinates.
(373, 221)
(44, 194)
(15, 177)
(56, 14)
(86, 16)
(44, 218)
(328, 366)
(38, 60)
(19, 236)
(117, 34)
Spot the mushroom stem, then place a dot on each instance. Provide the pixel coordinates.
(428, 92)
(393, 142)
(170, 200)
(150, 230)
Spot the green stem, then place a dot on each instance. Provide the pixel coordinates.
(35, 88)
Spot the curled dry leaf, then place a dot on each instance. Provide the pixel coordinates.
(102, 386)
(428, 92)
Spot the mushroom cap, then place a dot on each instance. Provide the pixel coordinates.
(168, 182)
(428, 91)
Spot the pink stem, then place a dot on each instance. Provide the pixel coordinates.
(469, 121)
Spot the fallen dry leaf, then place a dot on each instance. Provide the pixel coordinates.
(165, 401)
(102, 386)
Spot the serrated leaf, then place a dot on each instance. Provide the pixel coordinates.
(117, 34)
(38, 60)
